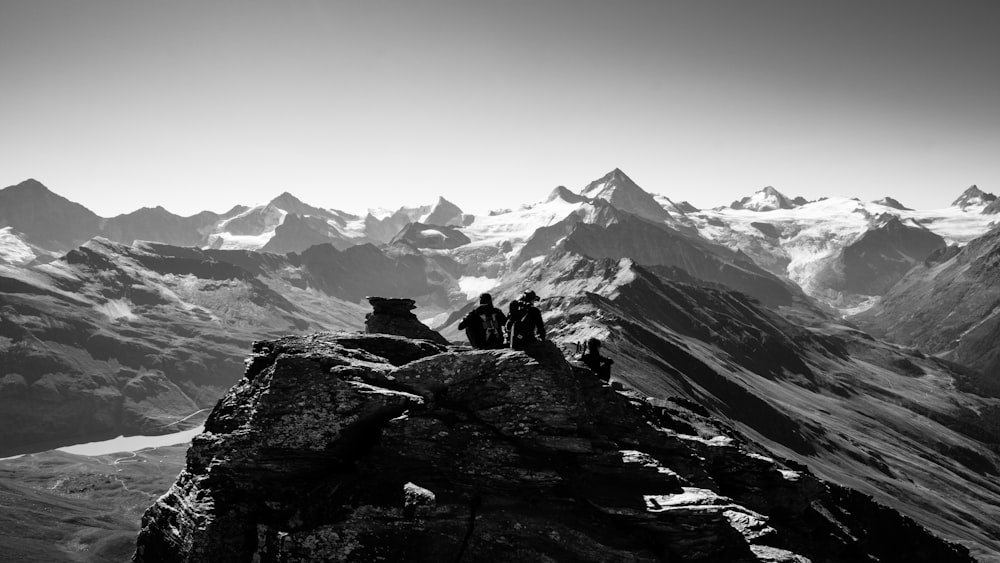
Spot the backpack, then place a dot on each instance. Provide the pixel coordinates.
(482, 329)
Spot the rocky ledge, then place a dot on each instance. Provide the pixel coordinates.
(368, 447)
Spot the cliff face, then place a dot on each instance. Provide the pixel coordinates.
(366, 447)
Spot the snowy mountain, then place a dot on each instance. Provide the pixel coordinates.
(715, 308)
(620, 191)
(801, 242)
(974, 197)
(767, 199)
(893, 203)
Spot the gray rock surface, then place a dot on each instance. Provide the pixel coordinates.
(309, 456)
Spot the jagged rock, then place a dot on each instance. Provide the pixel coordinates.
(393, 316)
(421, 235)
(311, 455)
(417, 501)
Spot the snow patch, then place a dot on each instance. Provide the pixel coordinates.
(473, 286)
(691, 497)
(790, 475)
(132, 443)
(117, 309)
(716, 441)
(644, 459)
(13, 249)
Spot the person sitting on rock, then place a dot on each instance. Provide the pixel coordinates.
(600, 365)
(513, 312)
(527, 328)
(484, 324)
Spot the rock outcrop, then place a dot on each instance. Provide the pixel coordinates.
(392, 315)
(366, 447)
(421, 235)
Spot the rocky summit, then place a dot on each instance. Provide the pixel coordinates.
(373, 447)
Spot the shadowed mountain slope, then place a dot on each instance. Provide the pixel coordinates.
(658, 245)
(880, 258)
(950, 308)
(159, 225)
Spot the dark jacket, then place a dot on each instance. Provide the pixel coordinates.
(600, 365)
(527, 328)
(484, 327)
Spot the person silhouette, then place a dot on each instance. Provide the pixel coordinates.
(527, 327)
(592, 358)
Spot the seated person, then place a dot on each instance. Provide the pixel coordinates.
(484, 325)
(600, 365)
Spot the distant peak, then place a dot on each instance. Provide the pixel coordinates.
(614, 180)
(444, 212)
(619, 190)
(286, 198)
(30, 185)
(618, 174)
(891, 202)
(973, 197)
(767, 198)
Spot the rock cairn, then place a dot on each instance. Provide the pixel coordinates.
(392, 315)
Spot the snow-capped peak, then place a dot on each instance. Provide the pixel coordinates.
(607, 185)
(444, 212)
(892, 202)
(620, 191)
(974, 197)
(767, 199)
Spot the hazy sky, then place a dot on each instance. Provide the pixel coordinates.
(204, 104)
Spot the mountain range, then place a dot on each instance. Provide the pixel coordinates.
(853, 337)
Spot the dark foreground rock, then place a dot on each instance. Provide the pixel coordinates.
(353, 447)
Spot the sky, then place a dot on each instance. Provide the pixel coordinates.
(205, 104)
